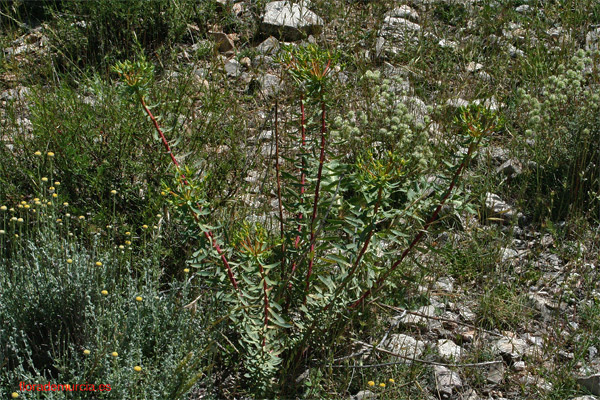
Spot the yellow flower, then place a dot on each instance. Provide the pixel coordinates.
(98, 264)
(44, 179)
(26, 206)
(38, 153)
(13, 219)
(54, 195)
(137, 368)
(20, 220)
(139, 298)
(127, 242)
(65, 204)
(86, 352)
(51, 188)
(2, 232)
(57, 183)
(382, 385)
(186, 270)
(127, 233)
(114, 354)
(391, 380)
(67, 215)
(113, 192)
(69, 261)
(144, 226)
(104, 292)
(50, 154)
(58, 220)
(81, 217)
(3, 208)
(371, 383)
(14, 395)
(158, 216)
(49, 203)
(121, 247)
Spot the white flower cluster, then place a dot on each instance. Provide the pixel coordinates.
(386, 121)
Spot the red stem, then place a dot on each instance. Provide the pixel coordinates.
(266, 295)
(208, 234)
(302, 171)
(360, 254)
(277, 173)
(420, 235)
(316, 200)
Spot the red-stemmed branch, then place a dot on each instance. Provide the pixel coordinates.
(316, 198)
(207, 234)
(421, 234)
(302, 171)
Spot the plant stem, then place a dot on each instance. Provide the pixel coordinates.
(316, 199)
(266, 301)
(360, 254)
(278, 176)
(302, 171)
(207, 234)
(378, 284)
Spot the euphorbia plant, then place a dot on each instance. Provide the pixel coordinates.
(343, 234)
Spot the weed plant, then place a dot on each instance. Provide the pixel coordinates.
(342, 225)
(82, 303)
(560, 140)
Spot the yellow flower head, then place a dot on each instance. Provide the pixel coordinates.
(371, 383)
(98, 264)
(20, 220)
(65, 204)
(69, 261)
(127, 242)
(86, 352)
(113, 192)
(127, 233)
(104, 292)
(57, 183)
(139, 298)
(186, 270)
(391, 380)
(50, 154)
(121, 247)
(81, 217)
(51, 188)
(114, 354)
(3, 208)
(137, 368)
(44, 179)
(54, 195)
(38, 153)
(26, 206)
(2, 231)
(144, 226)
(14, 395)
(382, 385)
